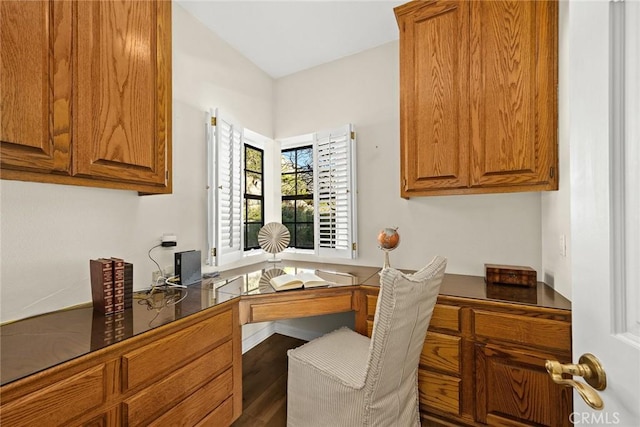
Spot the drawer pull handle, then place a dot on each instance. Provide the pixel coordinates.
(590, 369)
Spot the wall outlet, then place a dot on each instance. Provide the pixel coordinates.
(155, 276)
(563, 245)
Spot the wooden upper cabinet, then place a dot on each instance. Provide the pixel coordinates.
(434, 84)
(35, 85)
(478, 96)
(121, 118)
(89, 93)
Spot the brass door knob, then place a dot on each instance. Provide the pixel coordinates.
(588, 367)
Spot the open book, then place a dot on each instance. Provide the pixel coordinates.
(300, 280)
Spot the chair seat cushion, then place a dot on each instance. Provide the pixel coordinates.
(341, 354)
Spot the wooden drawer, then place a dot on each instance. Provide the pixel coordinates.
(544, 333)
(101, 420)
(261, 312)
(441, 352)
(153, 361)
(372, 301)
(221, 416)
(200, 404)
(50, 405)
(369, 328)
(440, 392)
(173, 388)
(445, 317)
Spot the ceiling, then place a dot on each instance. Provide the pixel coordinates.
(284, 37)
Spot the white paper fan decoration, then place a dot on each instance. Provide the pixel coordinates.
(273, 237)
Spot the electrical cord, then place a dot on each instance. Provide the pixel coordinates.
(169, 297)
(154, 261)
(170, 282)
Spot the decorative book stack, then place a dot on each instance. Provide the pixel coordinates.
(117, 264)
(128, 285)
(111, 284)
(102, 285)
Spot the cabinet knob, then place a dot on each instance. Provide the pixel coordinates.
(588, 367)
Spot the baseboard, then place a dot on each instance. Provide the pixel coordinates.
(257, 337)
(299, 333)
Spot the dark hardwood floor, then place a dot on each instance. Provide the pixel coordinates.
(264, 383)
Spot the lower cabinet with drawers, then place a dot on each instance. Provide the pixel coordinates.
(483, 362)
(185, 373)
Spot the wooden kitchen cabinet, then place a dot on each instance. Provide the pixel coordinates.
(478, 96)
(87, 93)
(483, 361)
(35, 83)
(187, 372)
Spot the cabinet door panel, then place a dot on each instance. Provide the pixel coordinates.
(513, 385)
(513, 124)
(434, 88)
(120, 123)
(34, 83)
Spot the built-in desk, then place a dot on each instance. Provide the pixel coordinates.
(113, 370)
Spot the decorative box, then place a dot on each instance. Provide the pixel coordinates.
(510, 275)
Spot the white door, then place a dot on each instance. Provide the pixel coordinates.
(605, 201)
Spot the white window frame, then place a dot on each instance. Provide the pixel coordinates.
(305, 140)
(343, 193)
(258, 141)
(225, 189)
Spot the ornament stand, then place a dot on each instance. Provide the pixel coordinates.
(386, 264)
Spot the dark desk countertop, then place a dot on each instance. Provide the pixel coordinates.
(37, 343)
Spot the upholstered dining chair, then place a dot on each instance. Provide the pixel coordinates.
(344, 379)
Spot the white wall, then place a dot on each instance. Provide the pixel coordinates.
(556, 205)
(469, 230)
(49, 232)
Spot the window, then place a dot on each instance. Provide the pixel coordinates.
(253, 209)
(316, 177)
(332, 171)
(297, 195)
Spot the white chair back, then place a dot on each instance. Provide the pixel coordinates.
(403, 312)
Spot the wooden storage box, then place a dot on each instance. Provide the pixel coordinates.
(510, 275)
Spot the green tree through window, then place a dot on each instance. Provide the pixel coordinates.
(297, 195)
(253, 209)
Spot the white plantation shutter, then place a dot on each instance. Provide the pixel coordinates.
(335, 189)
(211, 181)
(225, 188)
